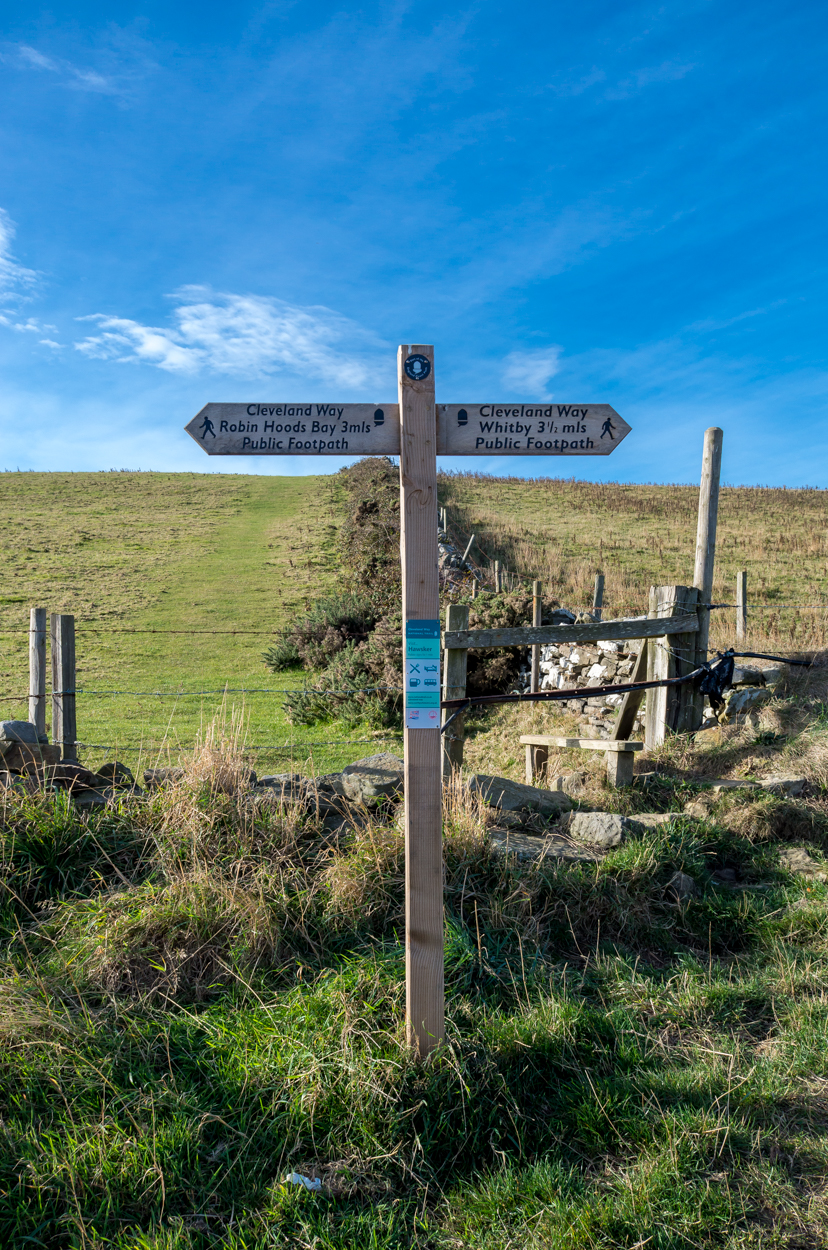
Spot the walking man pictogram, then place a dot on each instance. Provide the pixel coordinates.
(607, 428)
(207, 427)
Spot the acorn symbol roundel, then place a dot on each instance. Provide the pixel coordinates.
(417, 367)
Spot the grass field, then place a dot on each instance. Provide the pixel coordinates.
(168, 552)
(641, 535)
(201, 992)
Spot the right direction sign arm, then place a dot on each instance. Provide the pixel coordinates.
(528, 429)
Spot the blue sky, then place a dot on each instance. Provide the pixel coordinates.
(599, 202)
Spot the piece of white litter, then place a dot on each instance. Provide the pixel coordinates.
(296, 1178)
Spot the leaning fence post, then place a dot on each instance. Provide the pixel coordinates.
(64, 725)
(741, 606)
(37, 668)
(706, 551)
(455, 664)
(598, 596)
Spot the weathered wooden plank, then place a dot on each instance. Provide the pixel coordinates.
(590, 631)
(627, 712)
(588, 744)
(37, 668)
(537, 759)
(620, 768)
(424, 976)
(455, 664)
(670, 708)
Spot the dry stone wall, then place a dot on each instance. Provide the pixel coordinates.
(581, 665)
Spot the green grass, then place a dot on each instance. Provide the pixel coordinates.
(207, 1002)
(170, 552)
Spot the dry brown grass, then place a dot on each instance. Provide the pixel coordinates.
(638, 535)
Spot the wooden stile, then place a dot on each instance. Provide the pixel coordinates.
(64, 727)
(37, 668)
(455, 664)
(425, 1027)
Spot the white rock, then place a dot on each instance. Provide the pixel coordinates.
(743, 676)
(741, 702)
(610, 647)
(615, 700)
(784, 785)
(773, 676)
(597, 670)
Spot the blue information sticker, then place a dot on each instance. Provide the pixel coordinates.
(422, 674)
(422, 640)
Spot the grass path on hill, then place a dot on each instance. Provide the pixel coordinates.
(169, 552)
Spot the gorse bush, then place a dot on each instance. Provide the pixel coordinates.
(328, 627)
(352, 642)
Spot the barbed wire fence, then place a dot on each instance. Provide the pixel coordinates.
(296, 747)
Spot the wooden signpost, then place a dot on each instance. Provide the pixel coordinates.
(417, 430)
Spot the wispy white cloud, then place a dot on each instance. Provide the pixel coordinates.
(531, 371)
(73, 76)
(15, 279)
(640, 79)
(242, 334)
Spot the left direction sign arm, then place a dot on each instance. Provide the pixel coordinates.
(283, 429)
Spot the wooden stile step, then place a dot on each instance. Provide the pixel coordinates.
(620, 754)
(589, 744)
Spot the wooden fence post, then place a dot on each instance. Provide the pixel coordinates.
(64, 725)
(37, 668)
(670, 709)
(455, 664)
(537, 619)
(706, 551)
(598, 596)
(497, 577)
(424, 977)
(741, 606)
(468, 548)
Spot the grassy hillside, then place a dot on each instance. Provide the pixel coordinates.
(640, 535)
(198, 552)
(192, 553)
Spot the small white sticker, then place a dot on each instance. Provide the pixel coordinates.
(422, 718)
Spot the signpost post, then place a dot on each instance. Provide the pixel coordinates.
(417, 430)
